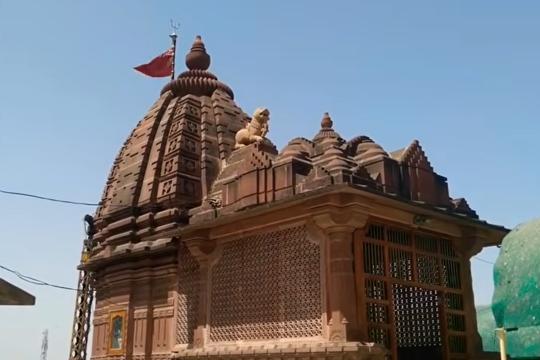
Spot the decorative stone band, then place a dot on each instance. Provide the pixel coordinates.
(154, 356)
(296, 350)
(111, 251)
(196, 82)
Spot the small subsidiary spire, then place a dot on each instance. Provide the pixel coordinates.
(197, 58)
(326, 131)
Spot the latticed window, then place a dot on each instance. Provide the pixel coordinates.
(413, 292)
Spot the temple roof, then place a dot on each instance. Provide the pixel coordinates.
(180, 163)
(327, 159)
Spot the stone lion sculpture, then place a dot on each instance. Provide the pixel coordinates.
(255, 130)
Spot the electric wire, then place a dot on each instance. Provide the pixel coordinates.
(48, 198)
(34, 281)
(483, 260)
(40, 197)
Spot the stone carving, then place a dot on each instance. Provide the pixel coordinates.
(215, 202)
(256, 129)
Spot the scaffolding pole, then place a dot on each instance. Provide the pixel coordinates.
(84, 299)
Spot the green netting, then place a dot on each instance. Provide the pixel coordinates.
(522, 344)
(516, 302)
(486, 328)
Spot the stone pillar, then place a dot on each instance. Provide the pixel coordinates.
(471, 326)
(339, 226)
(146, 293)
(130, 326)
(202, 248)
(200, 334)
(470, 245)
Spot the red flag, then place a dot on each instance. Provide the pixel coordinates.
(160, 66)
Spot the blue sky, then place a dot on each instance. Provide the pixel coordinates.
(461, 76)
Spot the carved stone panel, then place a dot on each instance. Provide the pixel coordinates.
(266, 287)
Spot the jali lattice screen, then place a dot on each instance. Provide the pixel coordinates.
(187, 296)
(267, 286)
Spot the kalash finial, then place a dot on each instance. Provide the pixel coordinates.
(197, 58)
(326, 131)
(326, 122)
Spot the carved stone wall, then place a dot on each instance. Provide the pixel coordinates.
(266, 287)
(140, 326)
(187, 296)
(100, 336)
(144, 294)
(161, 334)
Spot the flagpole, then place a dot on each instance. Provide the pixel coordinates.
(173, 37)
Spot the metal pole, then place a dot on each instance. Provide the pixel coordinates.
(84, 299)
(44, 345)
(501, 335)
(173, 37)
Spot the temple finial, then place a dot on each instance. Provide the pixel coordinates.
(326, 122)
(198, 58)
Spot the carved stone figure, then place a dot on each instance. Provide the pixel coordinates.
(255, 130)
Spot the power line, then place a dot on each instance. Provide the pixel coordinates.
(40, 197)
(48, 198)
(484, 261)
(35, 281)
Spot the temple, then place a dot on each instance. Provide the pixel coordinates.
(212, 244)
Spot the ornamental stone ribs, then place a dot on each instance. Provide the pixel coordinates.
(327, 249)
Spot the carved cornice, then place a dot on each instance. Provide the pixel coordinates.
(285, 351)
(112, 254)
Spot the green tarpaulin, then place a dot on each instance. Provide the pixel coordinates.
(516, 302)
